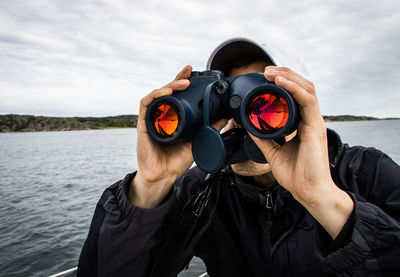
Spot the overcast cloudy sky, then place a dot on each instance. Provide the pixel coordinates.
(98, 58)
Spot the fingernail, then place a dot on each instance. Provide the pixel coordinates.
(182, 82)
(270, 70)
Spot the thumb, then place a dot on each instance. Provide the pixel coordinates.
(267, 146)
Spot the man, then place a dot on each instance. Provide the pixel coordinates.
(317, 208)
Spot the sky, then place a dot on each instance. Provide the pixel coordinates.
(99, 58)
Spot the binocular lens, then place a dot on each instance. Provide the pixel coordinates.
(267, 112)
(165, 119)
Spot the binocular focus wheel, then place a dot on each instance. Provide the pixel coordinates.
(208, 149)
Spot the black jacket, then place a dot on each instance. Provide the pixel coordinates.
(245, 238)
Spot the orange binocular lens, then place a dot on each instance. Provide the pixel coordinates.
(165, 119)
(267, 112)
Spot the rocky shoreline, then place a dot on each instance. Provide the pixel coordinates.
(30, 123)
(329, 118)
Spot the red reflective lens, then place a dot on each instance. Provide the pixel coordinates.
(165, 119)
(267, 113)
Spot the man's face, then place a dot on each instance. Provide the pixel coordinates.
(248, 168)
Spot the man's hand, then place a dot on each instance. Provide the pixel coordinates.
(302, 164)
(160, 164)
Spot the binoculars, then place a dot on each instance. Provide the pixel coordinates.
(264, 109)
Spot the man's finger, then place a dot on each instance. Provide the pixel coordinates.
(177, 85)
(145, 102)
(157, 93)
(308, 103)
(271, 72)
(185, 73)
(267, 146)
(181, 81)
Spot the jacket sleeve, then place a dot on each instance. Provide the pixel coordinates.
(369, 244)
(121, 236)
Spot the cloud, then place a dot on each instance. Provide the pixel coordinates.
(100, 57)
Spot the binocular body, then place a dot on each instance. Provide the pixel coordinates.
(264, 109)
(260, 107)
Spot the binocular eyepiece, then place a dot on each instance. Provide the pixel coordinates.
(261, 107)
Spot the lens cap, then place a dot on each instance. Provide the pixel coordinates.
(208, 149)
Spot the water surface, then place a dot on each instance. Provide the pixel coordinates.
(50, 183)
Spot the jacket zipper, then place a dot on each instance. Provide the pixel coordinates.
(269, 202)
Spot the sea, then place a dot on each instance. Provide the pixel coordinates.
(50, 183)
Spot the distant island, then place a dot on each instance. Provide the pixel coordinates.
(30, 123)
